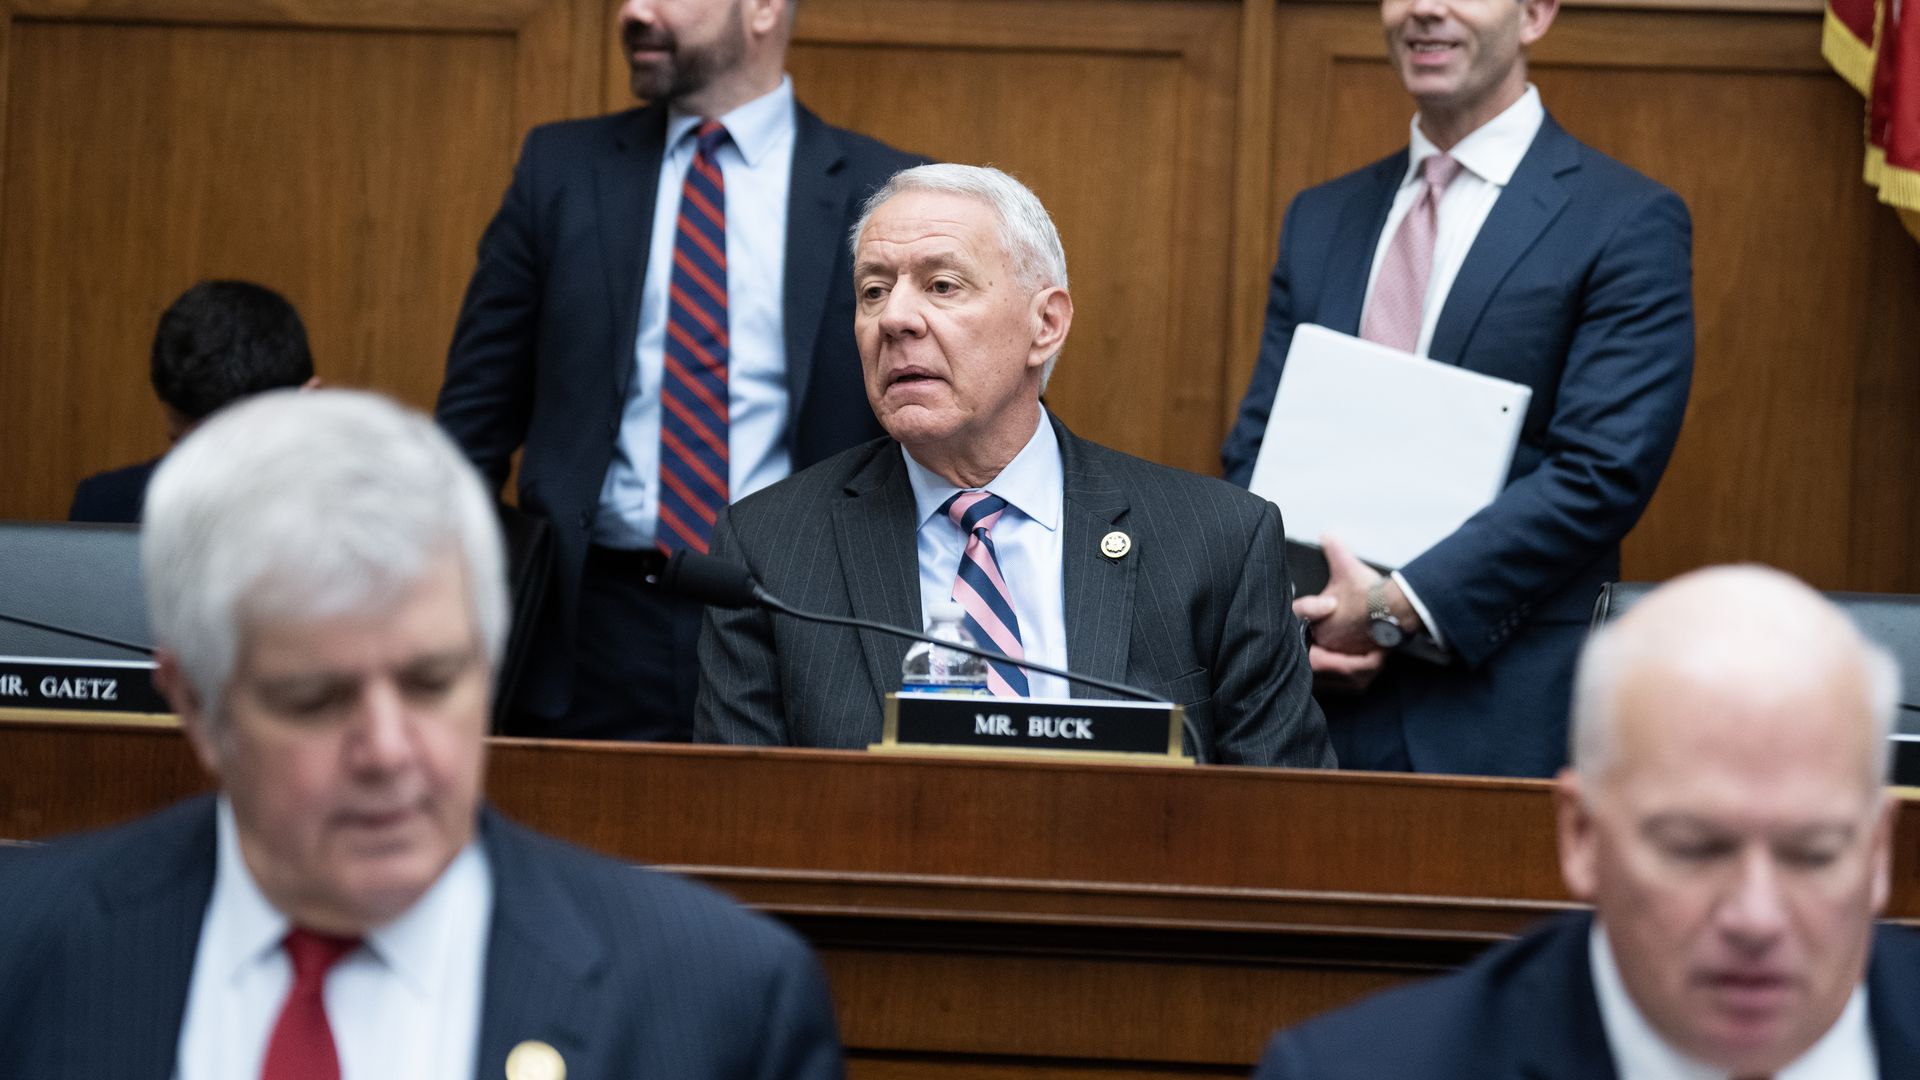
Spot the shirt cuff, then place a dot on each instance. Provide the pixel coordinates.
(1420, 609)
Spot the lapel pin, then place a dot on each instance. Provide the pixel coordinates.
(1116, 544)
(535, 1060)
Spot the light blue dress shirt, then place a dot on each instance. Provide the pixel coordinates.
(1026, 541)
(757, 165)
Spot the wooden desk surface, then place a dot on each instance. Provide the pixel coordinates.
(1002, 919)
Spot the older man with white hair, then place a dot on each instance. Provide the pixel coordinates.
(324, 577)
(1061, 551)
(1726, 815)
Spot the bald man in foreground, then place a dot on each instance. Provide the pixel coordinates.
(1726, 816)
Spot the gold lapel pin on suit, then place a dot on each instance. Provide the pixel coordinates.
(535, 1060)
(1116, 544)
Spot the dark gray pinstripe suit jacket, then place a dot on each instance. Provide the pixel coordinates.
(628, 973)
(1197, 611)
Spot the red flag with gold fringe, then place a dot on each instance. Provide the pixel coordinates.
(1875, 46)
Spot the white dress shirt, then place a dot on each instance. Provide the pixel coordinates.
(757, 164)
(405, 1005)
(1488, 158)
(1026, 541)
(1845, 1052)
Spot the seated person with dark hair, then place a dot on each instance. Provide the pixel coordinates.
(219, 342)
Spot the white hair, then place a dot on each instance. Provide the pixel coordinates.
(308, 505)
(1026, 230)
(1743, 621)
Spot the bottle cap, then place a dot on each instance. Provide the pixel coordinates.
(947, 611)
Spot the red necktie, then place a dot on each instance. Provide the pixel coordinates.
(693, 384)
(1398, 304)
(302, 1044)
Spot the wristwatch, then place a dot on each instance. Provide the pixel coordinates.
(1382, 627)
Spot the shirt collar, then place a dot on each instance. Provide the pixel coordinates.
(416, 944)
(756, 128)
(1493, 150)
(251, 928)
(1639, 1051)
(1031, 482)
(245, 925)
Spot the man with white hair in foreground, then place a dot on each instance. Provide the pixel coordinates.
(325, 583)
(1726, 816)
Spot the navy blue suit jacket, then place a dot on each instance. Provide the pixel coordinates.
(1527, 1011)
(626, 972)
(542, 354)
(1579, 285)
(116, 496)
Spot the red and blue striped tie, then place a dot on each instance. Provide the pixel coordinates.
(693, 383)
(982, 593)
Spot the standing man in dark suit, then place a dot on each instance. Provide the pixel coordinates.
(1727, 817)
(1058, 550)
(1498, 242)
(324, 577)
(216, 343)
(661, 319)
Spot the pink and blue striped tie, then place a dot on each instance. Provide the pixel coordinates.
(693, 383)
(982, 593)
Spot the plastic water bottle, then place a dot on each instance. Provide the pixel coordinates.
(931, 669)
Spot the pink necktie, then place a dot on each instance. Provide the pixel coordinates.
(301, 1047)
(1398, 304)
(983, 594)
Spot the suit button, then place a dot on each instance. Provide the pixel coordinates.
(586, 518)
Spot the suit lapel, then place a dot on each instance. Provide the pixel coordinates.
(1099, 590)
(816, 207)
(1523, 211)
(1560, 1036)
(874, 532)
(545, 959)
(1355, 237)
(153, 908)
(626, 185)
(1893, 985)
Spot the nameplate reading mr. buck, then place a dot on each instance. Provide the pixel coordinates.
(964, 723)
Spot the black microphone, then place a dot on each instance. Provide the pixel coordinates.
(719, 583)
(711, 581)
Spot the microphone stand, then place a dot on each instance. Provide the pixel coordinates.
(722, 584)
(1118, 689)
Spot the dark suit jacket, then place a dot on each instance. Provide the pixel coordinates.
(543, 351)
(1196, 611)
(1579, 285)
(116, 496)
(628, 973)
(1527, 1011)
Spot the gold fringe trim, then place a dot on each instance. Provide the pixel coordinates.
(1850, 56)
(1897, 186)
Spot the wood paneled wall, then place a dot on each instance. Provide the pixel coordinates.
(348, 152)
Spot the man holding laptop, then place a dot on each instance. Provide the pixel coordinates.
(1499, 243)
